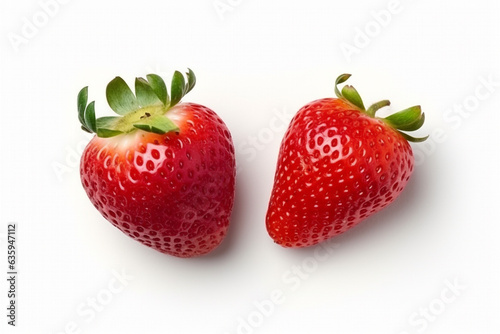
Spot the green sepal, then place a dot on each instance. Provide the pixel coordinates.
(417, 124)
(84, 128)
(86, 116)
(107, 133)
(191, 81)
(340, 79)
(107, 122)
(352, 95)
(410, 119)
(106, 126)
(177, 88)
(89, 117)
(144, 93)
(120, 97)
(413, 139)
(157, 124)
(82, 103)
(159, 88)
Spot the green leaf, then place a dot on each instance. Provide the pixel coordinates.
(159, 88)
(107, 122)
(106, 126)
(413, 139)
(120, 97)
(84, 128)
(410, 119)
(89, 116)
(107, 133)
(415, 125)
(191, 81)
(82, 103)
(177, 89)
(156, 124)
(144, 93)
(340, 79)
(406, 118)
(352, 95)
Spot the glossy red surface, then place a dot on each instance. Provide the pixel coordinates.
(172, 192)
(336, 166)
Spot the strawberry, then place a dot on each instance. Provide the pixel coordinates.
(338, 164)
(162, 172)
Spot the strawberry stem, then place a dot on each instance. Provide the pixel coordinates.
(376, 106)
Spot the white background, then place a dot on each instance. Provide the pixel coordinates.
(257, 63)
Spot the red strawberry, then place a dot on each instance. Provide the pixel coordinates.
(163, 173)
(338, 164)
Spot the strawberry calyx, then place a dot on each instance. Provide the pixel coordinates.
(410, 119)
(146, 110)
